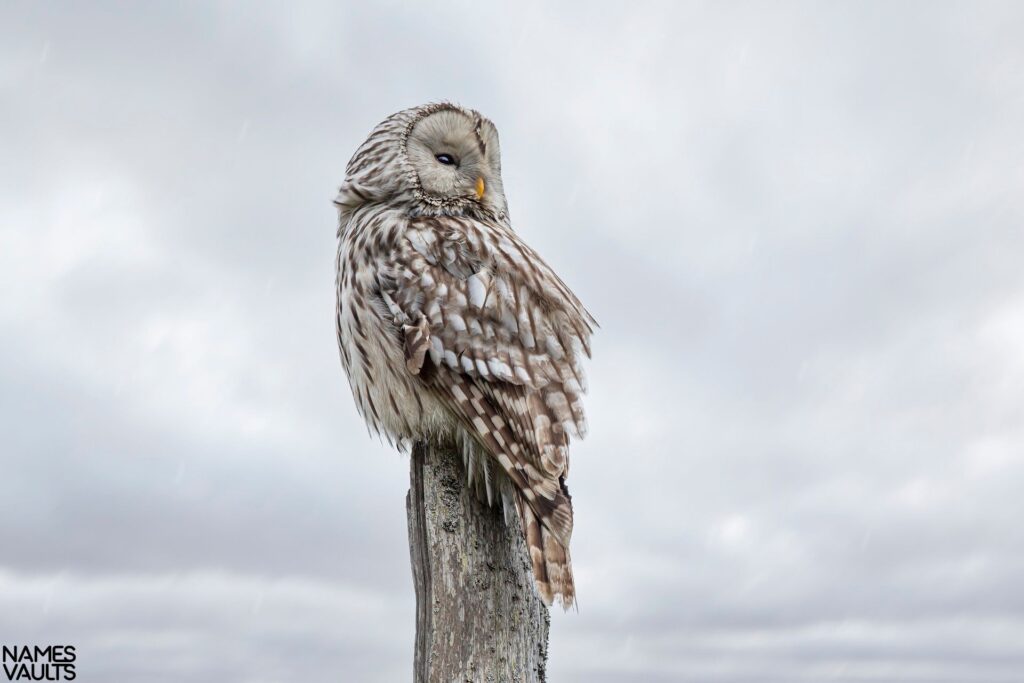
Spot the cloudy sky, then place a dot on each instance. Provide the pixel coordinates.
(801, 227)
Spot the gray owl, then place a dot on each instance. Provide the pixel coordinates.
(453, 331)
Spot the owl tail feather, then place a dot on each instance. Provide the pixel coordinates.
(552, 567)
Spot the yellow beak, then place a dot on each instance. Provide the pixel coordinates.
(480, 188)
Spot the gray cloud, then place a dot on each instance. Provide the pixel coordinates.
(798, 224)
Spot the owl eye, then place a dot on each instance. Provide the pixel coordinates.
(447, 159)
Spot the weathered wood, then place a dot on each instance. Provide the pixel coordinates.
(478, 615)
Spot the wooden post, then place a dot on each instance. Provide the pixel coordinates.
(478, 615)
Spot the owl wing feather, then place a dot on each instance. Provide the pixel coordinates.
(504, 337)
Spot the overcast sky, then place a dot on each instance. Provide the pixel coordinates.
(799, 225)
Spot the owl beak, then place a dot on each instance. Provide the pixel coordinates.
(480, 188)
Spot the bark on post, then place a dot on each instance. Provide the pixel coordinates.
(478, 616)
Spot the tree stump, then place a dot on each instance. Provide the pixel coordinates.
(478, 615)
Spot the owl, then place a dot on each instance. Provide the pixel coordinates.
(453, 331)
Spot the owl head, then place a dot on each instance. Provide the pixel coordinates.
(437, 159)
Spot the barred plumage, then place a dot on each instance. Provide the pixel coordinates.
(451, 328)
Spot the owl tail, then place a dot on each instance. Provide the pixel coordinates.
(552, 567)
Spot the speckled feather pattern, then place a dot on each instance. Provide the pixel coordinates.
(451, 328)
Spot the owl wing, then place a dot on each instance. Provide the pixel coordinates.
(504, 337)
